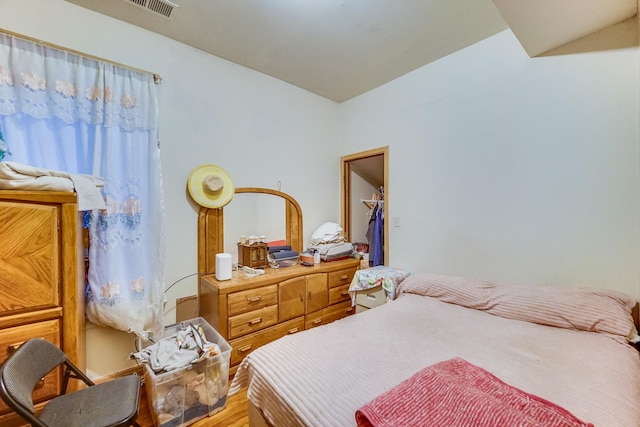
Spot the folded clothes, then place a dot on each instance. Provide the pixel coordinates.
(284, 254)
(333, 249)
(280, 248)
(329, 232)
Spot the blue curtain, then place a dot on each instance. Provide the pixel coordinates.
(66, 112)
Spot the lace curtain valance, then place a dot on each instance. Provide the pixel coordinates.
(44, 82)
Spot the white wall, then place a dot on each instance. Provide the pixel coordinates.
(509, 168)
(261, 130)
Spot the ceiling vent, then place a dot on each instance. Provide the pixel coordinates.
(160, 7)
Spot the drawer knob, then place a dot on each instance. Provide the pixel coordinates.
(11, 348)
(293, 330)
(255, 321)
(254, 299)
(344, 293)
(244, 349)
(317, 321)
(344, 277)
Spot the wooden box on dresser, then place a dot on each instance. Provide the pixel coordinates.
(252, 311)
(41, 280)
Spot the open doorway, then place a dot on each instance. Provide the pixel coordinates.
(363, 175)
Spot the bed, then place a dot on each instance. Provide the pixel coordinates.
(568, 348)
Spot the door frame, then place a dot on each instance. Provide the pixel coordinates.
(345, 192)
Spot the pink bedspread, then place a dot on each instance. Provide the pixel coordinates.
(456, 393)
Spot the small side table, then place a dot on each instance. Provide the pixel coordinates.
(371, 298)
(374, 286)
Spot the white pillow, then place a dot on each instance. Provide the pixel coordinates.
(585, 309)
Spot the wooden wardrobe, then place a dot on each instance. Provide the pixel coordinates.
(41, 280)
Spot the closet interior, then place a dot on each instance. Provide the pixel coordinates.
(364, 202)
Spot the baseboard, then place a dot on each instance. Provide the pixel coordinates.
(136, 370)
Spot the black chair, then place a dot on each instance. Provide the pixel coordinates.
(113, 403)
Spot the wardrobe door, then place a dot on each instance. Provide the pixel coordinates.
(317, 292)
(29, 251)
(291, 298)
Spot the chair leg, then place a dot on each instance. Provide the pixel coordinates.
(71, 371)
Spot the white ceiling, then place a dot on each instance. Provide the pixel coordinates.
(342, 48)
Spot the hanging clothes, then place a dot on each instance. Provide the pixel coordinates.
(378, 249)
(375, 234)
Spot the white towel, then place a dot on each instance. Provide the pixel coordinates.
(18, 176)
(329, 232)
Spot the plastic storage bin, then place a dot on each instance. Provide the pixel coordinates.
(183, 396)
(282, 262)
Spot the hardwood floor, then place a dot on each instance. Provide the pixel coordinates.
(235, 414)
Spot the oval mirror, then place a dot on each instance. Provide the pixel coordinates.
(253, 214)
(252, 211)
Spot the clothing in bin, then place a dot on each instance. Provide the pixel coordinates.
(186, 373)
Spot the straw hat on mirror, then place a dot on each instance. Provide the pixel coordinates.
(210, 186)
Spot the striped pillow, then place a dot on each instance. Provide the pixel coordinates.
(585, 309)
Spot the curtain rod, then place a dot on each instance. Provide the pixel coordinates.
(157, 79)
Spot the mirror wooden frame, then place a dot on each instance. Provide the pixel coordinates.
(211, 228)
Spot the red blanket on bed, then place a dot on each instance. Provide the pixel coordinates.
(455, 393)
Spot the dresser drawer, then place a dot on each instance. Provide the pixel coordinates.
(11, 338)
(11, 419)
(341, 277)
(245, 345)
(253, 299)
(246, 323)
(339, 294)
(371, 297)
(329, 314)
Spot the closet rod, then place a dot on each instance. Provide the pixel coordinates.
(156, 77)
(371, 202)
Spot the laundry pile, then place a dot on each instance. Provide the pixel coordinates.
(177, 351)
(330, 243)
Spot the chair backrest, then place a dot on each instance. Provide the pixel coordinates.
(22, 370)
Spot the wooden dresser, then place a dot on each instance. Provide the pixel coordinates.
(41, 279)
(252, 311)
